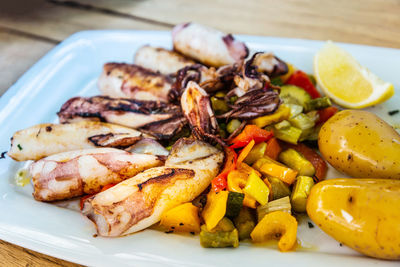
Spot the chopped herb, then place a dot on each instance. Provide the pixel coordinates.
(192, 233)
(3, 155)
(181, 224)
(310, 225)
(19, 147)
(340, 244)
(277, 81)
(393, 112)
(169, 232)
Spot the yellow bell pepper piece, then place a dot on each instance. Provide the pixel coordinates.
(268, 166)
(256, 188)
(286, 76)
(282, 113)
(277, 224)
(237, 180)
(243, 167)
(215, 208)
(183, 218)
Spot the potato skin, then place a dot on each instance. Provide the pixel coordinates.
(360, 144)
(363, 214)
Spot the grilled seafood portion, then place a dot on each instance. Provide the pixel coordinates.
(152, 116)
(70, 174)
(253, 104)
(209, 79)
(139, 202)
(268, 64)
(133, 81)
(161, 60)
(196, 106)
(207, 45)
(46, 139)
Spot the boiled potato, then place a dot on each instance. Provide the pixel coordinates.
(363, 214)
(361, 144)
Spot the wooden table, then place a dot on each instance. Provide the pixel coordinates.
(29, 29)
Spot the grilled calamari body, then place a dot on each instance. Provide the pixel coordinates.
(160, 119)
(133, 81)
(207, 45)
(74, 173)
(162, 60)
(46, 139)
(139, 202)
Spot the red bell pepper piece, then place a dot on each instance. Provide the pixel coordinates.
(300, 79)
(83, 199)
(251, 132)
(219, 183)
(315, 159)
(326, 113)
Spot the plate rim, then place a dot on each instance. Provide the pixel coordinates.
(71, 255)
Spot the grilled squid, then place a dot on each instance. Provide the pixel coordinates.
(196, 106)
(46, 139)
(210, 79)
(133, 81)
(268, 64)
(74, 173)
(207, 45)
(139, 202)
(161, 60)
(253, 104)
(160, 119)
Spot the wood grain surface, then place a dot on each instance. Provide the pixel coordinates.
(28, 29)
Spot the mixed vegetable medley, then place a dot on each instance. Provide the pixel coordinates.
(211, 139)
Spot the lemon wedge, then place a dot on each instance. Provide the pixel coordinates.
(348, 83)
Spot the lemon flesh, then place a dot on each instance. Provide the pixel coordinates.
(348, 83)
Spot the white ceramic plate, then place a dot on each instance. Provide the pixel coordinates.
(72, 69)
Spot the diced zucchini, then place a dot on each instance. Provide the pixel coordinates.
(290, 134)
(291, 94)
(218, 239)
(294, 109)
(306, 133)
(318, 103)
(234, 204)
(282, 113)
(256, 188)
(255, 153)
(282, 125)
(225, 225)
(219, 105)
(313, 115)
(313, 136)
(233, 125)
(302, 121)
(282, 204)
(300, 193)
(279, 189)
(296, 161)
(245, 223)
